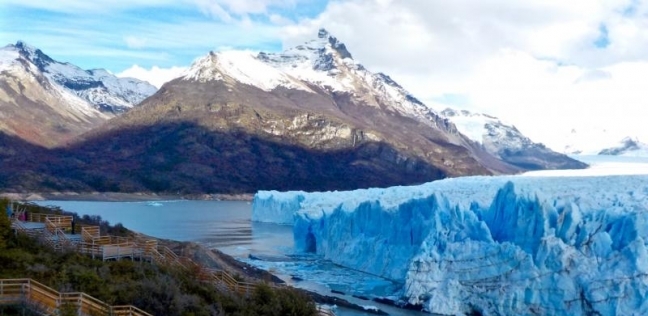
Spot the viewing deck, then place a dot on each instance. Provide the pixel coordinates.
(56, 231)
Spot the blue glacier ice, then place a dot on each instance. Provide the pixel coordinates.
(497, 245)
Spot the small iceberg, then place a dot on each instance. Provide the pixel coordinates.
(152, 203)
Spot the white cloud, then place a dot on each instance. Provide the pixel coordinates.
(231, 10)
(135, 42)
(155, 75)
(279, 20)
(533, 63)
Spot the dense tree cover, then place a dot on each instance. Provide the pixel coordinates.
(156, 289)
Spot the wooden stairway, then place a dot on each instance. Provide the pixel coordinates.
(140, 247)
(50, 301)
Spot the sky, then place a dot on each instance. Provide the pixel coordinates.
(560, 71)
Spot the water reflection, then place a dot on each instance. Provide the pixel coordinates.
(250, 238)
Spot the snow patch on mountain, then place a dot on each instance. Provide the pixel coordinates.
(326, 62)
(323, 62)
(459, 248)
(484, 129)
(470, 124)
(589, 140)
(8, 58)
(244, 67)
(102, 89)
(77, 104)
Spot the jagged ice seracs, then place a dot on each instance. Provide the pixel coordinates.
(497, 245)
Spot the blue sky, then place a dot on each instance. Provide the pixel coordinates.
(117, 34)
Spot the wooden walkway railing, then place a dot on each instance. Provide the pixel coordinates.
(113, 247)
(16, 291)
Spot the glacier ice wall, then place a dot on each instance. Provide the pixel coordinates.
(277, 207)
(498, 245)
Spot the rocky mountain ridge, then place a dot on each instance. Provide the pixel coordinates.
(48, 103)
(105, 91)
(507, 143)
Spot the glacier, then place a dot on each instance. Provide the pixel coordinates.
(494, 245)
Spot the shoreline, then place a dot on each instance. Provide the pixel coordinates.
(216, 259)
(123, 197)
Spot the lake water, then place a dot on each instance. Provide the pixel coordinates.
(227, 226)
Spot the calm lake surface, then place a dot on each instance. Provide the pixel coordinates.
(215, 224)
(227, 226)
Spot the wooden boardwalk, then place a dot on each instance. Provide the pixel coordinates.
(54, 231)
(49, 301)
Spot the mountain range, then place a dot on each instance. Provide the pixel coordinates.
(309, 118)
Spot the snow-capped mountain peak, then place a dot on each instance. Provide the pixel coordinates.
(35, 55)
(505, 140)
(243, 67)
(326, 62)
(101, 89)
(325, 65)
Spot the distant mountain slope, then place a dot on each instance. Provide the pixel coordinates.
(627, 147)
(105, 91)
(34, 109)
(508, 143)
(48, 103)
